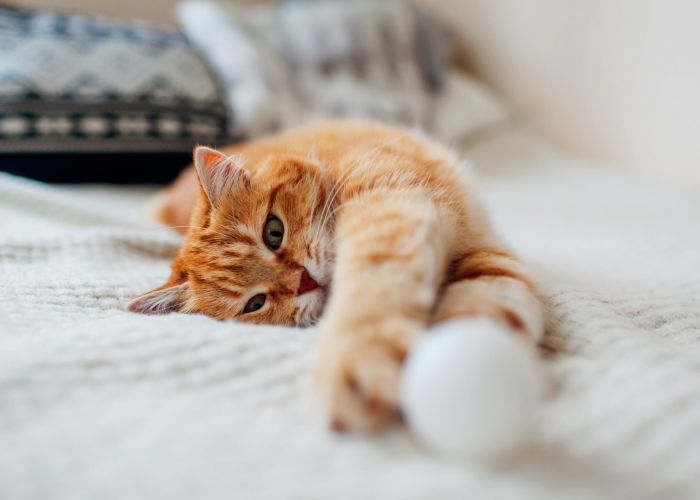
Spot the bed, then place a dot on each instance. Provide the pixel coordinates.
(96, 402)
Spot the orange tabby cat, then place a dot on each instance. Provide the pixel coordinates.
(373, 226)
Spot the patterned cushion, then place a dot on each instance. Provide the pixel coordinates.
(303, 61)
(86, 84)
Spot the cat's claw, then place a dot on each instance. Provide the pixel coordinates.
(358, 383)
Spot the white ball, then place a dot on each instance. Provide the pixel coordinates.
(471, 389)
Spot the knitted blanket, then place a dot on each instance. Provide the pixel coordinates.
(99, 403)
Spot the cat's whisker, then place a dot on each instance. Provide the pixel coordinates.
(332, 195)
(328, 208)
(311, 228)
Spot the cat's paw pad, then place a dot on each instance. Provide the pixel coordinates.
(357, 382)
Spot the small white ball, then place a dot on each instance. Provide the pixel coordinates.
(471, 389)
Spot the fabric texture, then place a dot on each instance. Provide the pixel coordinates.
(99, 403)
(303, 61)
(76, 83)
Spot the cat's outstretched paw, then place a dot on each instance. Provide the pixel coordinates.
(357, 382)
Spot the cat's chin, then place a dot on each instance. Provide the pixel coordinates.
(311, 305)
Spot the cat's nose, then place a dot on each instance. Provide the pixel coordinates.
(306, 283)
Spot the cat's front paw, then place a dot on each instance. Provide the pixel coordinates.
(356, 379)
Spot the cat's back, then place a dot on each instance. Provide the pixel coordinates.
(363, 153)
(334, 142)
(381, 151)
(376, 153)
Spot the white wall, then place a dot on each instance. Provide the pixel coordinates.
(153, 10)
(617, 79)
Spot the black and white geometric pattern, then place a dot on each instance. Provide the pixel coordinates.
(75, 83)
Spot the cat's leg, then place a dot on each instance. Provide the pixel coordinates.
(489, 281)
(389, 256)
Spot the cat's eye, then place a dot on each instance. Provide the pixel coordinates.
(255, 303)
(273, 232)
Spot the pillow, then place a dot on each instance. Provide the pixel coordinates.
(432, 45)
(466, 111)
(86, 98)
(303, 61)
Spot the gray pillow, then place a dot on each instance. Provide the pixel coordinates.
(302, 61)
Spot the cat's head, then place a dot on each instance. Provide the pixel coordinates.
(260, 243)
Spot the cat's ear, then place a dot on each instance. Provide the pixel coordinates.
(218, 173)
(162, 300)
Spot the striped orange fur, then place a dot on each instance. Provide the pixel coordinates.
(382, 236)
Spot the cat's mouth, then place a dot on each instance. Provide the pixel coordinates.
(311, 297)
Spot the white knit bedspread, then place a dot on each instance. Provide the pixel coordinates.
(99, 403)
